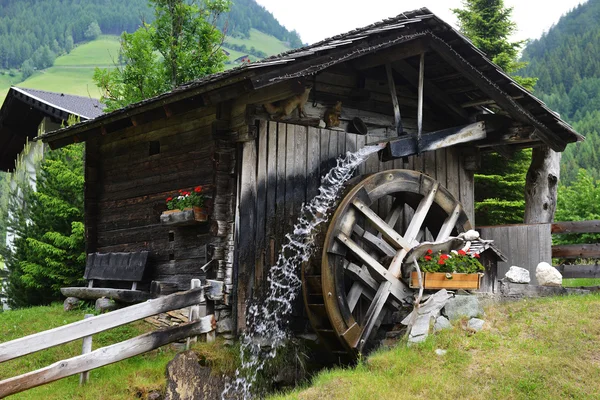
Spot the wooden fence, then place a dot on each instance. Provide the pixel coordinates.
(110, 354)
(526, 245)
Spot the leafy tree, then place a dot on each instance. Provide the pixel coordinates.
(27, 69)
(182, 44)
(488, 24)
(93, 31)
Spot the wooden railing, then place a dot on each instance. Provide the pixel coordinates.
(110, 354)
(575, 251)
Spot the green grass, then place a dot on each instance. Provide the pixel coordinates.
(77, 81)
(124, 380)
(260, 41)
(6, 81)
(534, 349)
(96, 53)
(577, 282)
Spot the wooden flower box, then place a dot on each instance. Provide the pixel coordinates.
(187, 216)
(443, 280)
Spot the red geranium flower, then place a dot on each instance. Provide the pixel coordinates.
(198, 189)
(429, 251)
(169, 199)
(427, 258)
(476, 255)
(444, 257)
(441, 261)
(462, 252)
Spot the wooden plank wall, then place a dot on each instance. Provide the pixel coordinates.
(524, 245)
(124, 203)
(282, 169)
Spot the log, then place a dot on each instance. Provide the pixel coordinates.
(592, 226)
(541, 185)
(121, 295)
(105, 356)
(77, 330)
(579, 271)
(576, 251)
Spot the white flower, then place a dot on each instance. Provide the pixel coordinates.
(454, 252)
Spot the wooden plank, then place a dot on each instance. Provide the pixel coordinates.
(388, 233)
(271, 200)
(576, 251)
(312, 163)
(372, 315)
(261, 204)
(76, 330)
(360, 143)
(592, 226)
(449, 224)
(395, 105)
(429, 166)
(86, 347)
(421, 83)
(325, 164)
(579, 271)
(452, 167)
(301, 147)
(440, 166)
(521, 249)
(105, 356)
(333, 148)
(290, 178)
(467, 190)
(281, 184)
(93, 293)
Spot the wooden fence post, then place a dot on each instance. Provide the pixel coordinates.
(86, 348)
(194, 314)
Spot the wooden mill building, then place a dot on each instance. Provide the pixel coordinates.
(215, 132)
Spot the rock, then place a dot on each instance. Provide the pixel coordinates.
(71, 303)
(104, 305)
(225, 325)
(475, 324)
(154, 395)
(547, 275)
(188, 380)
(428, 312)
(440, 352)
(441, 323)
(463, 306)
(518, 275)
(470, 235)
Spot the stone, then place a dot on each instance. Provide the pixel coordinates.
(441, 323)
(476, 324)
(518, 275)
(428, 312)
(470, 235)
(440, 352)
(188, 380)
(104, 305)
(463, 306)
(547, 275)
(225, 325)
(154, 395)
(71, 303)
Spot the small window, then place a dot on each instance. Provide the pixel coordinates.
(171, 236)
(171, 256)
(154, 147)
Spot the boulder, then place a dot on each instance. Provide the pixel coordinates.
(475, 324)
(188, 380)
(518, 275)
(463, 306)
(547, 275)
(225, 325)
(104, 305)
(441, 323)
(71, 303)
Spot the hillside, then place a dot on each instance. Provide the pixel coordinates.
(567, 62)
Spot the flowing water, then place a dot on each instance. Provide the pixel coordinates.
(266, 321)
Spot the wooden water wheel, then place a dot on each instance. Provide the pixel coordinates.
(361, 272)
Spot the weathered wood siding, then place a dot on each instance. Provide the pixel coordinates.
(524, 245)
(281, 170)
(129, 175)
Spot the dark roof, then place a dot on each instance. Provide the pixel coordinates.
(84, 107)
(447, 44)
(24, 109)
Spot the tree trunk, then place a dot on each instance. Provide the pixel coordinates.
(541, 185)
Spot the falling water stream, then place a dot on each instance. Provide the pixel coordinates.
(266, 321)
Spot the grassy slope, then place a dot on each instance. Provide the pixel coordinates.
(534, 349)
(123, 380)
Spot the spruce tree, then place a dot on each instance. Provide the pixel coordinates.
(500, 184)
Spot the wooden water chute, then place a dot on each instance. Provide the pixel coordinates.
(361, 273)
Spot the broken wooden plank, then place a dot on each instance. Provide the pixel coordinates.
(392, 86)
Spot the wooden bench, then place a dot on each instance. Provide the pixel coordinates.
(124, 267)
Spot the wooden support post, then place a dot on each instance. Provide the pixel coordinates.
(392, 85)
(194, 314)
(420, 100)
(86, 348)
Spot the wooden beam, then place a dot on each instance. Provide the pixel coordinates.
(491, 89)
(437, 95)
(592, 226)
(388, 233)
(392, 86)
(420, 99)
(408, 49)
(105, 356)
(579, 271)
(407, 146)
(576, 250)
(485, 102)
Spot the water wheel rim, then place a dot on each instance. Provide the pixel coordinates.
(411, 185)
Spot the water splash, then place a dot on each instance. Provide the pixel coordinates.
(266, 321)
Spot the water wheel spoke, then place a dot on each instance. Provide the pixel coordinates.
(375, 268)
(449, 224)
(368, 286)
(417, 221)
(354, 295)
(373, 313)
(373, 241)
(395, 213)
(386, 230)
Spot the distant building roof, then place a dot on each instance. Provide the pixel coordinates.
(24, 109)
